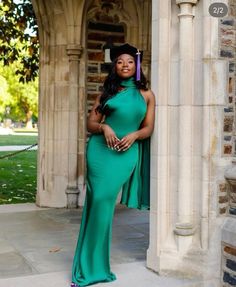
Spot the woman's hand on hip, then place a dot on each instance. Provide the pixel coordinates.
(126, 142)
(110, 136)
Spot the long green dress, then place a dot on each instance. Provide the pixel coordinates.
(107, 172)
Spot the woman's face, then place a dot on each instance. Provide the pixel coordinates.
(125, 66)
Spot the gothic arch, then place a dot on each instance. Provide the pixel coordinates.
(62, 99)
(127, 13)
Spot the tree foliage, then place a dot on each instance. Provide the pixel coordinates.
(18, 25)
(20, 98)
(4, 96)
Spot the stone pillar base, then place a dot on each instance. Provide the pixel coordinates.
(172, 263)
(72, 197)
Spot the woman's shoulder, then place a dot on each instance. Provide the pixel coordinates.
(148, 94)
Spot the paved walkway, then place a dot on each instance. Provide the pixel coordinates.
(37, 247)
(16, 147)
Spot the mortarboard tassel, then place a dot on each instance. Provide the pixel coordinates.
(138, 66)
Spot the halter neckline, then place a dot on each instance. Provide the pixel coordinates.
(128, 83)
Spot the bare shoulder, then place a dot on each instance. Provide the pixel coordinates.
(148, 95)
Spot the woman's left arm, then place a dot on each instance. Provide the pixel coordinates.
(146, 127)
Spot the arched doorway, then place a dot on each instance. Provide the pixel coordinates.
(70, 77)
(111, 23)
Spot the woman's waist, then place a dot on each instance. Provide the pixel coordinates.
(100, 139)
(122, 130)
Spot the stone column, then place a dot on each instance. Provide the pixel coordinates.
(172, 154)
(184, 226)
(160, 83)
(72, 191)
(61, 103)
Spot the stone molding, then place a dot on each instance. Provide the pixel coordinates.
(74, 51)
(193, 2)
(186, 8)
(112, 11)
(184, 229)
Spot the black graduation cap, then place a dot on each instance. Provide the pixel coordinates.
(130, 50)
(125, 49)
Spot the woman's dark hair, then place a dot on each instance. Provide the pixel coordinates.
(112, 85)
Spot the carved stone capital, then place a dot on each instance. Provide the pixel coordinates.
(186, 8)
(193, 2)
(74, 51)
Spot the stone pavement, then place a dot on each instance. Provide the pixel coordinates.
(16, 147)
(37, 247)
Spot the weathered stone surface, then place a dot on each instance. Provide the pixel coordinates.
(230, 250)
(14, 263)
(223, 210)
(229, 22)
(231, 264)
(229, 278)
(45, 240)
(228, 149)
(223, 187)
(228, 123)
(223, 199)
(232, 210)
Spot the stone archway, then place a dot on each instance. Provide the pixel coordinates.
(61, 103)
(63, 88)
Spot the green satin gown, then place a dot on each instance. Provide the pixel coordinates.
(107, 172)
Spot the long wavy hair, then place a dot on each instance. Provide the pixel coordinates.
(112, 85)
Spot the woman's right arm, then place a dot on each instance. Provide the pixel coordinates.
(94, 119)
(95, 125)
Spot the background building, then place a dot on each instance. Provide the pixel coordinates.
(190, 60)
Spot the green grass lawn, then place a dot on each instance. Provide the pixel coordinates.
(17, 140)
(18, 177)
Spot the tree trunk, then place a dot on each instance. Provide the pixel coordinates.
(29, 120)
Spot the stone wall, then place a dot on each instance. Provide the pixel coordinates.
(227, 36)
(98, 34)
(223, 194)
(227, 193)
(229, 265)
(228, 51)
(189, 128)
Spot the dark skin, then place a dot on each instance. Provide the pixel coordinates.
(125, 68)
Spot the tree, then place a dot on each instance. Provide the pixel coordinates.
(4, 96)
(20, 98)
(18, 25)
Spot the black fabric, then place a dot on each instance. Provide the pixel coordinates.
(125, 49)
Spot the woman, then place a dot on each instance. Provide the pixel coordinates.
(120, 119)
